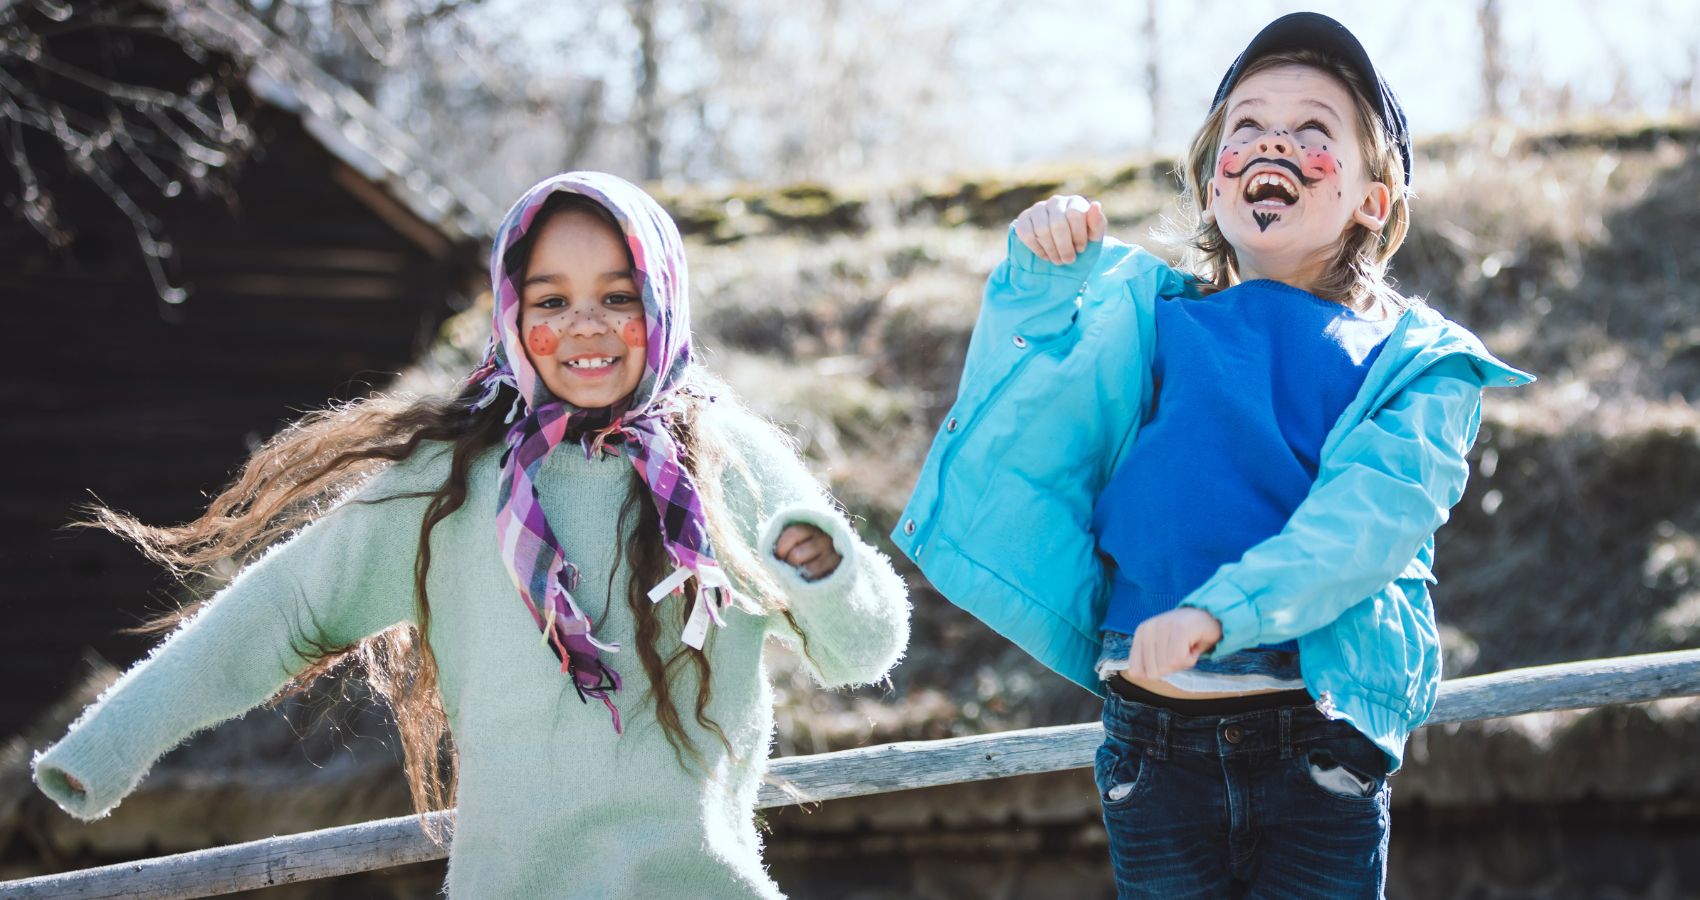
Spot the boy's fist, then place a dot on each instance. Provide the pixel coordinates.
(1172, 642)
(1059, 228)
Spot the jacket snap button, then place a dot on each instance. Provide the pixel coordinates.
(909, 527)
(951, 425)
(1233, 733)
(1020, 342)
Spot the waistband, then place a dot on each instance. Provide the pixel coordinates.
(1218, 706)
(1160, 731)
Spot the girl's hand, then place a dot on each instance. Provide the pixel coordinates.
(1172, 642)
(809, 550)
(1058, 229)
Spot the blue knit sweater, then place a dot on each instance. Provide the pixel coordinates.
(1248, 383)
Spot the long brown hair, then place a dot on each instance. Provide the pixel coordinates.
(1357, 275)
(302, 472)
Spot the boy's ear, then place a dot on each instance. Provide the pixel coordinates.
(1208, 215)
(1377, 206)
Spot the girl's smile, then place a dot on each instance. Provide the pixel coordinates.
(583, 320)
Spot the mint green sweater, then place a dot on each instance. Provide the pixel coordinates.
(552, 803)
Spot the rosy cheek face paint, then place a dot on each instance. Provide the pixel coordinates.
(1229, 162)
(1320, 163)
(634, 334)
(542, 340)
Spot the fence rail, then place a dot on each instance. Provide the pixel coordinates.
(831, 776)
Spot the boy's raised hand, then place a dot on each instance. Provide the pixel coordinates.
(1058, 229)
(1172, 642)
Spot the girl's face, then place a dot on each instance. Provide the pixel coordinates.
(581, 315)
(1290, 176)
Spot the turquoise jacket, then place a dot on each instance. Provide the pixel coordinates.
(1054, 390)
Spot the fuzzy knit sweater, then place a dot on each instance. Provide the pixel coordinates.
(552, 803)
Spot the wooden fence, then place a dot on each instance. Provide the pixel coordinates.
(830, 776)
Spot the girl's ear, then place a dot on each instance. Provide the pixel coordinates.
(1207, 214)
(1377, 205)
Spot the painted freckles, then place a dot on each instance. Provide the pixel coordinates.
(543, 340)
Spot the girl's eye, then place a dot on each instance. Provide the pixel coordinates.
(1245, 123)
(551, 303)
(1314, 125)
(622, 299)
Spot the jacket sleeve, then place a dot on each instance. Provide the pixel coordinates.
(1027, 294)
(854, 622)
(344, 577)
(1379, 496)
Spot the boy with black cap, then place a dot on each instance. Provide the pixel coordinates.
(1227, 525)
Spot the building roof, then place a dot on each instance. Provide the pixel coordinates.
(350, 128)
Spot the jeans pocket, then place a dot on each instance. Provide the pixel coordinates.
(1122, 773)
(1343, 770)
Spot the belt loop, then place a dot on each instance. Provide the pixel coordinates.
(1163, 734)
(1286, 732)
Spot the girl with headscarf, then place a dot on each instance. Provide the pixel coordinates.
(571, 566)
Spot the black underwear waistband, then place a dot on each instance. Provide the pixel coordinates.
(1221, 706)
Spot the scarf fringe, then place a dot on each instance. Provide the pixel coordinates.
(607, 682)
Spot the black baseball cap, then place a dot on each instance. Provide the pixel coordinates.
(1314, 31)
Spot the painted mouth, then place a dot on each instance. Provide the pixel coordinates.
(1276, 183)
(1269, 188)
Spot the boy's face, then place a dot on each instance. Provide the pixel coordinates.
(581, 314)
(1290, 177)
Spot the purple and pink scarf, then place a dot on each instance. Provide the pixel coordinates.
(636, 428)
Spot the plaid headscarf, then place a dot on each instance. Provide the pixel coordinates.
(636, 427)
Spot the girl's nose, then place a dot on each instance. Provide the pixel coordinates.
(1274, 144)
(586, 323)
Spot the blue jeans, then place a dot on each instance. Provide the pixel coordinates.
(1276, 803)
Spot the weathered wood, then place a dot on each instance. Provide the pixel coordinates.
(873, 770)
(846, 773)
(1574, 685)
(917, 764)
(242, 867)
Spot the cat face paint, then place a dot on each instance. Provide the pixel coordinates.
(1290, 178)
(580, 307)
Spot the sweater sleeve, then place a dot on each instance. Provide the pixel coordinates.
(854, 622)
(346, 576)
(1379, 496)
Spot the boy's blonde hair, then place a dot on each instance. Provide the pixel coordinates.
(1357, 276)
